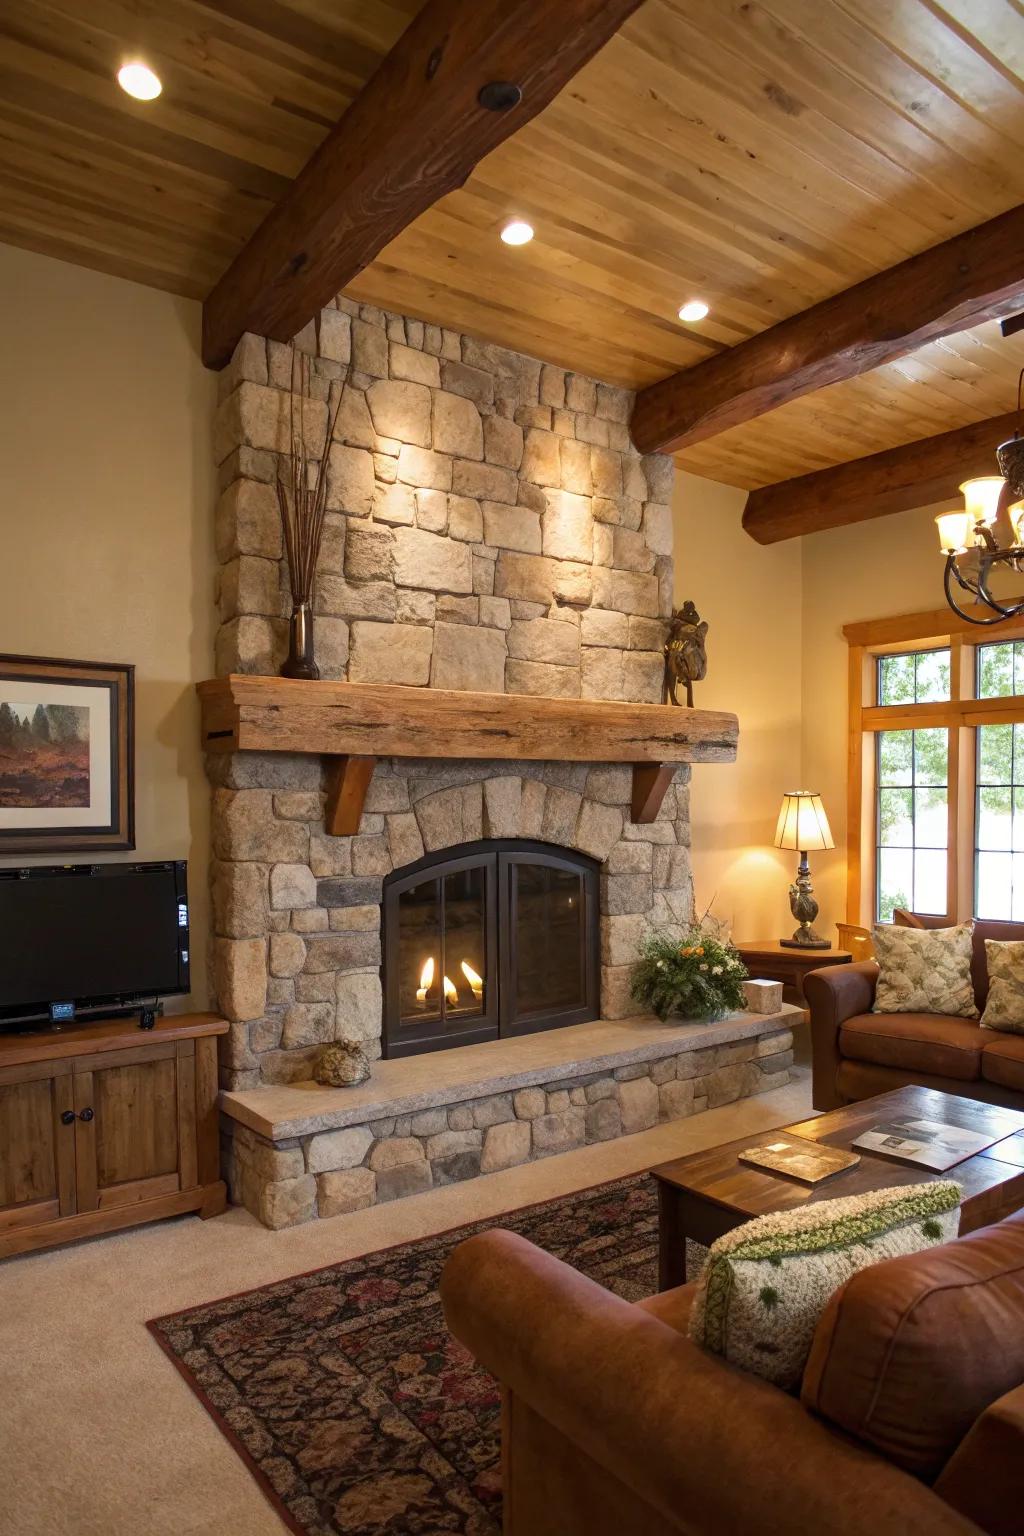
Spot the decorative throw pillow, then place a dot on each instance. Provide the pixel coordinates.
(1004, 1007)
(766, 1284)
(925, 970)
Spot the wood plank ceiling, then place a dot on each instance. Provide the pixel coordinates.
(762, 154)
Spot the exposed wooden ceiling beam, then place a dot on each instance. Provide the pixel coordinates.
(414, 133)
(975, 276)
(913, 475)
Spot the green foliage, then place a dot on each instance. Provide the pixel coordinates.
(700, 978)
(915, 677)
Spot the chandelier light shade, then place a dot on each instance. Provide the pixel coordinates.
(803, 826)
(983, 541)
(956, 531)
(981, 498)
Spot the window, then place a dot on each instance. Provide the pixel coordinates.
(912, 816)
(999, 822)
(915, 677)
(936, 786)
(1000, 672)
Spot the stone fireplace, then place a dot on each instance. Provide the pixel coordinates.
(491, 530)
(488, 939)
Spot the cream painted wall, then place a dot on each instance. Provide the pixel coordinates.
(107, 548)
(751, 598)
(868, 571)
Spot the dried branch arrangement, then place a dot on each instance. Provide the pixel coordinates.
(302, 499)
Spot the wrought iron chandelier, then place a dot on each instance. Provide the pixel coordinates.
(987, 537)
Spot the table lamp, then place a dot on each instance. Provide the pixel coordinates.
(803, 826)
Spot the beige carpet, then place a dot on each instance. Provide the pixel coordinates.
(98, 1434)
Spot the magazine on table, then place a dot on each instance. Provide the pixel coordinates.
(926, 1143)
(808, 1161)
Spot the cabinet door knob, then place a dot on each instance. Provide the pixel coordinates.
(67, 1117)
(86, 1115)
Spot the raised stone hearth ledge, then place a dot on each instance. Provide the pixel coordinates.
(300, 1151)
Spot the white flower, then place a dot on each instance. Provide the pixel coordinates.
(716, 970)
(703, 966)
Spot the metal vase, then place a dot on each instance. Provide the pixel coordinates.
(300, 661)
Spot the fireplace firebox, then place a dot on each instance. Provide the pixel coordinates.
(491, 938)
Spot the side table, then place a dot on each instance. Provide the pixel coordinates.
(772, 961)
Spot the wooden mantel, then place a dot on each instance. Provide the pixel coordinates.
(353, 724)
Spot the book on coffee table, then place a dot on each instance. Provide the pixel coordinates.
(808, 1161)
(928, 1144)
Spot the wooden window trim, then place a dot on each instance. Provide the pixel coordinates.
(936, 629)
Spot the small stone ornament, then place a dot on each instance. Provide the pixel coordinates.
(342, 1065)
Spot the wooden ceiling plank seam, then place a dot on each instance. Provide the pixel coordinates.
(819, 210)
(871, 66)
(841, 150)
(746, 242)
(937, 50)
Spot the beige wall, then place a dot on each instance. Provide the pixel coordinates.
(868, 571)
(751, 598)
(777, 657)
(107, 520)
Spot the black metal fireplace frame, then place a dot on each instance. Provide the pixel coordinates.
(498, 857)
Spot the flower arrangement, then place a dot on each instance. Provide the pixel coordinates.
(700, 978)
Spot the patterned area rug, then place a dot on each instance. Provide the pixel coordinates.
(343, 1391)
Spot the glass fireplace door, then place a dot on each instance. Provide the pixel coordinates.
(491, 937)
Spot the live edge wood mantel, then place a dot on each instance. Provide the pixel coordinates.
(352, 724)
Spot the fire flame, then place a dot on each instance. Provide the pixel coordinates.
(475, 980)
(426, 980)
(450, 992)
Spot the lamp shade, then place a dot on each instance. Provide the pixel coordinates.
(803, 824)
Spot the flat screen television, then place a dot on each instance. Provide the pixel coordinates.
(86, 939)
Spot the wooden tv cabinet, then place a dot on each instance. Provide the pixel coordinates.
(105, 1125)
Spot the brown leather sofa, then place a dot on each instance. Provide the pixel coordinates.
(857, 1053)
(910, 1420)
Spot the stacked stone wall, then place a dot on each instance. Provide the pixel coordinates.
(489, 527)
(489, 524)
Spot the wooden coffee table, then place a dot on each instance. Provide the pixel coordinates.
(707, 1194)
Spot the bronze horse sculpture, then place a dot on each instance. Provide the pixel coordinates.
(686, 659)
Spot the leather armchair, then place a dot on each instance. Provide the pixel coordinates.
(615, 1424)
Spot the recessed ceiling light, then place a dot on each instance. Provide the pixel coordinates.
(139, 81)
(517, 232)
(692, 310)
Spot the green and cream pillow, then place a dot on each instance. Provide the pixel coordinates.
(925, 970)
(1004, 1007)
(765, 1284)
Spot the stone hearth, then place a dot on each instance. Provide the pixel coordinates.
(298, 1152)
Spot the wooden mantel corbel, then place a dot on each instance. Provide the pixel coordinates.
(352, 724)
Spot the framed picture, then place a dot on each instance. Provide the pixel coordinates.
(67, 755)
